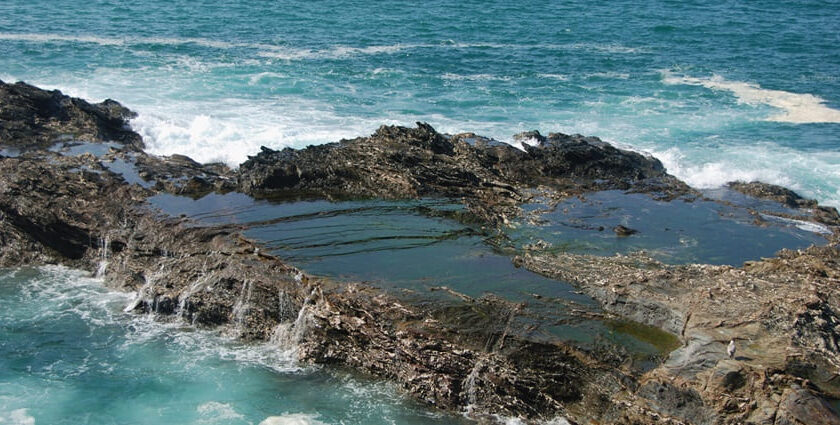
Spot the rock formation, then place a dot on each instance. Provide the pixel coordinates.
(782, 311)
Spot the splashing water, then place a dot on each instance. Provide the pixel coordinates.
(65, 339)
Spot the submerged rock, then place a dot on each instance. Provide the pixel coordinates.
(623, 231)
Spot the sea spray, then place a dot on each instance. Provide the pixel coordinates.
(104, 243)
(287, 336)
(470, 387)
(242, 306)
(146, 294)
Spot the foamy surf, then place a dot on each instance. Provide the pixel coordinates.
(292, 419)
(766, 163)
(17, 417)
(797, 108)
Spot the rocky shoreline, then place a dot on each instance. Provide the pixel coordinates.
(88, 210)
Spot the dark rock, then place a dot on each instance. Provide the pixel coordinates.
(623, 231)
(800, 407)
(31, 118)
(676, 402)
(399, 162)
(772, 192)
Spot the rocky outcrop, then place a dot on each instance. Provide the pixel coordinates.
(71, 210)
(782, 312)
(789, 198)
(492, 178)
(32, 118)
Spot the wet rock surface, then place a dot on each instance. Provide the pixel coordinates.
(400, 162)
(782, 312)
(32, 118)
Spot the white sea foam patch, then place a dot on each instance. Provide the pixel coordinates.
(812, 175)
(799, 224)
(215, 412)
(798, 108)
(241, 127)
(293, 419)
(17, 417)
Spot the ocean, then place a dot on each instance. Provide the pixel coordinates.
(717, 91)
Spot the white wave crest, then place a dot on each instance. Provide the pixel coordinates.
(558, 77)
(767, 163)
(266, 50)
(475, 77)
(293, 419)
(230, 130)
(797, 108)
(296, 53)
(709, 175)
(46, 38)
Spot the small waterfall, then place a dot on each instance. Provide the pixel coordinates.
(240, 309)
(184, 296)
(105, 243)
(144, 293)
(284, 304)
(288, 335)
(470, 385)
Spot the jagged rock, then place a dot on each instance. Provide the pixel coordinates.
(789, 198)
(32, 118)
(800, 407)
(685, 404)
(772, 192)
(399, 162)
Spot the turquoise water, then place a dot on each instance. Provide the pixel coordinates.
(719, 92)
(69, 355)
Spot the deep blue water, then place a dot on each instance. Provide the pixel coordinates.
(720, 91)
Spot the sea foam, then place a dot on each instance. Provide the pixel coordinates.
(17, 417)
(797, 108)
(292, 419)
